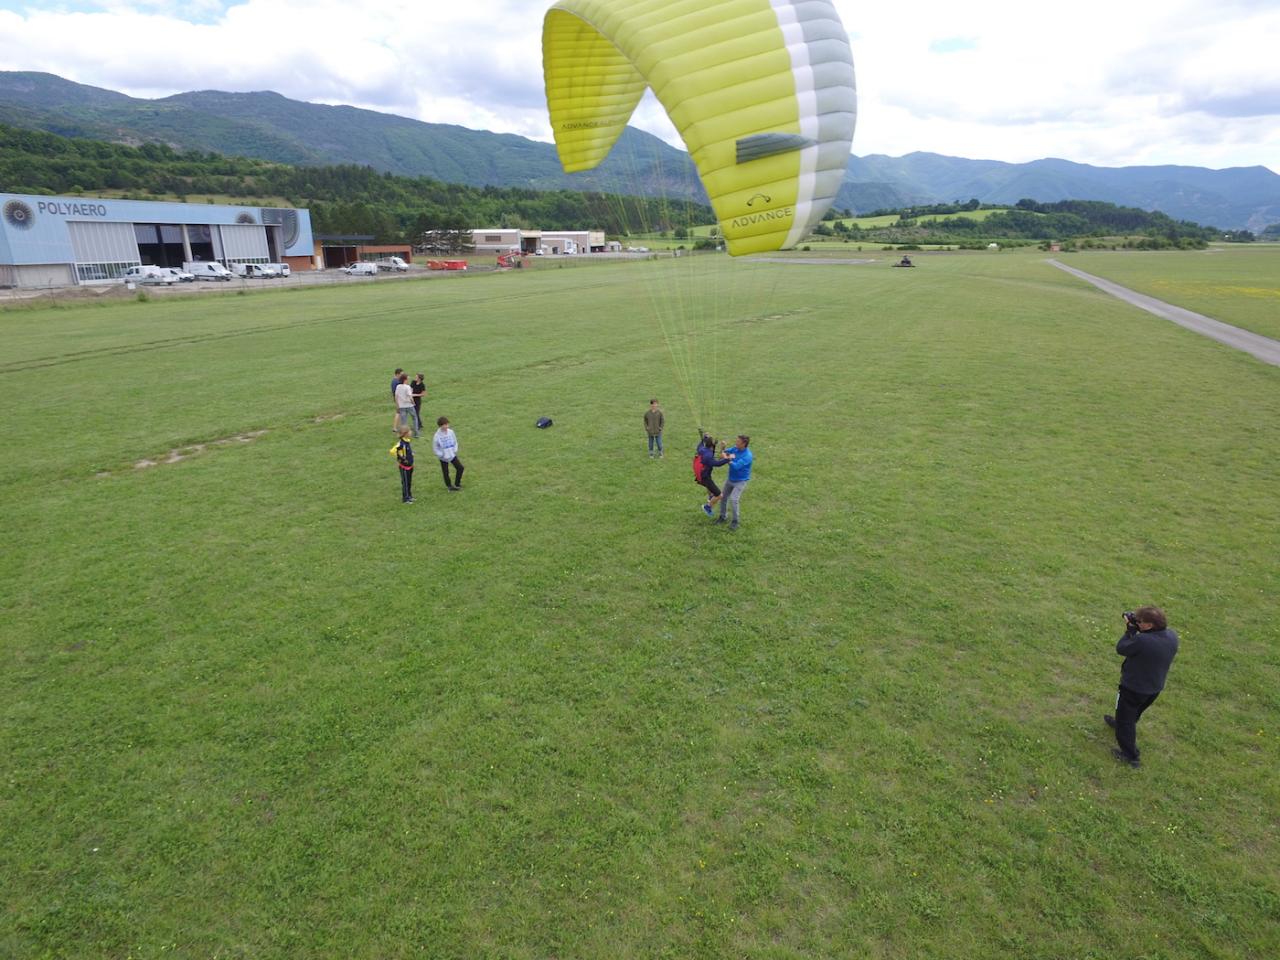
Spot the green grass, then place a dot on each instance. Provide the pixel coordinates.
(1235, 283)
(254, 707)
(978, 215)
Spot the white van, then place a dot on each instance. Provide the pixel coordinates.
(148, 273)
(281, 269)
(361, 268)
(255, 271)
(207, 270)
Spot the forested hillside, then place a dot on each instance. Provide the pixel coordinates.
(1068, 220)
(272, 127)
(342, 199)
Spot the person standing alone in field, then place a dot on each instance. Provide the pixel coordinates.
(1148, 647)
(445, 445)
(403, 452)
(654, 421)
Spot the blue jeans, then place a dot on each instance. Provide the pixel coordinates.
(732, 494)
(655, 439)
(410, 418)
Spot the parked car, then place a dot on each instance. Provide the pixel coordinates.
(363, 268)
(207, 270)
(149, 274)
(180, 275)
(281, 268)
(395, 264)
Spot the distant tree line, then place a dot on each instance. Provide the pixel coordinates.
(346, 199)
(1028, 220)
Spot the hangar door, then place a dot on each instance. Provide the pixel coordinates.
(244, 243)
(102, 250)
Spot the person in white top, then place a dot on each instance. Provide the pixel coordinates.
(445, 445)
(404, 405)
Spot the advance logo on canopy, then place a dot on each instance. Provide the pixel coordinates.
(751, 219)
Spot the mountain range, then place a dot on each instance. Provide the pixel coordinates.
(272, 127)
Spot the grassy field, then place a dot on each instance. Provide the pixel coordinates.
(1237, 283)
(255, 707)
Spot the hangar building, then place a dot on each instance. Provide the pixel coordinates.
(60, 241)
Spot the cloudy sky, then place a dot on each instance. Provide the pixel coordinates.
(1107, 82)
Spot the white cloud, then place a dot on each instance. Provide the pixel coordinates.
(1096, 81)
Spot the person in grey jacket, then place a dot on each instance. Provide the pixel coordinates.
(1148, 647)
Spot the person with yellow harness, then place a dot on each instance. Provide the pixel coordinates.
(403, 452)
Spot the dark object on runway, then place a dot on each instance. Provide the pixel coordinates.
(904, 262)
(543, 423)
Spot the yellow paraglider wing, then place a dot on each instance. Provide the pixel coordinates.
(761, 91)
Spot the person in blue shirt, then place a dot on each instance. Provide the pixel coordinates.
(739, 457)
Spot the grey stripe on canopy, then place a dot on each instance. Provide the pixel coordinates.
(770, 144)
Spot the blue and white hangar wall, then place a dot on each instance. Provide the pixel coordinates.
(58, 241)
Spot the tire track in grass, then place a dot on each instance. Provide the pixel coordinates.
(53, 360)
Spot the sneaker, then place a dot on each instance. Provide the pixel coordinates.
(1109, 720)
(733, 526)
(406, 501)
(454, 489)
(1125, 758)
(718, 520)
(706, 508)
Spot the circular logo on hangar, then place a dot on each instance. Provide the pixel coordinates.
(245, 218)
(18, 214)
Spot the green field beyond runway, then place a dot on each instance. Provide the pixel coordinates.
(1239, 285)
(252, 706)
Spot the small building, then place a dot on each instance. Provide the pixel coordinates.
(571, 242)
(338, 250)
(550, 242)
(62, 241)
(502, 240)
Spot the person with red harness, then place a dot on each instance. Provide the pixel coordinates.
(704, 461)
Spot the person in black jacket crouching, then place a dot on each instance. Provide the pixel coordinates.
(1148, 647)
